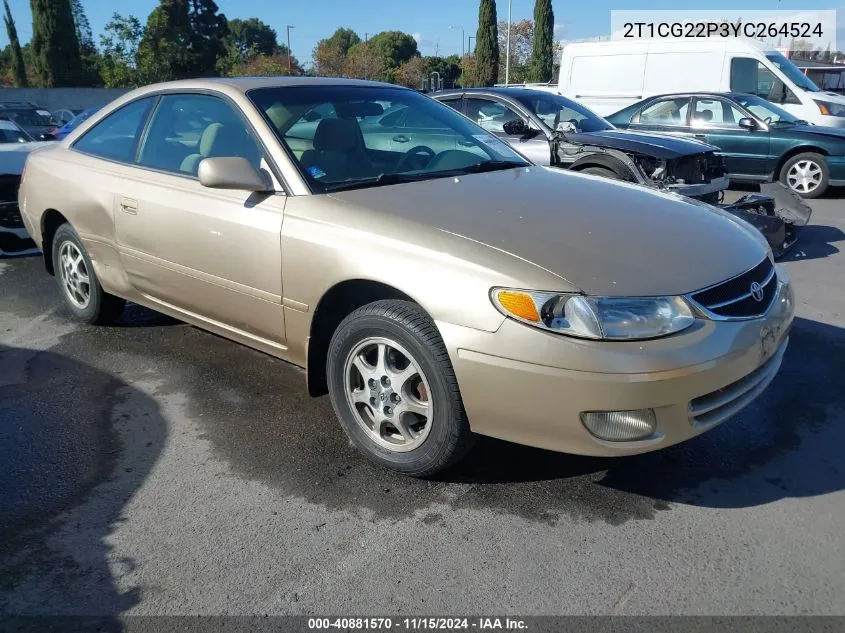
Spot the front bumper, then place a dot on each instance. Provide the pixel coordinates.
(528, 386)
(701, 189)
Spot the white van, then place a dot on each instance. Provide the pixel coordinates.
(609, 75)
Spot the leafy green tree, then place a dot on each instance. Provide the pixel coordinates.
(88, 54)
(55, 47)
(330, 53)
(486, 45)
(449, 68)
(209, 32)
(542, 55)
(119, 44)
(396, 48)
(18, 68)
(364, 61)
(267, 66)
(522, 41)
(253, 37)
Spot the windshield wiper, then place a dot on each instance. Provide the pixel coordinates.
(491, 165)
(376, 181)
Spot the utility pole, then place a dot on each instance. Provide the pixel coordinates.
(290, 53)
(463, 37)
(508, 47)
(469, 44)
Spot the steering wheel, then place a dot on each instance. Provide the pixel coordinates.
(768, 120)
(415, 152)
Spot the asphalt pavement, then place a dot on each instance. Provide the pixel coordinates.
(153, 468)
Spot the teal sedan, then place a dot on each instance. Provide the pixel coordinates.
(759, 141)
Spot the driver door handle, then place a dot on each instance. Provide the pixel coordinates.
(401, 138)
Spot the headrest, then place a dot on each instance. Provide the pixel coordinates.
(209, 137)
(704, 115)
(336, 135)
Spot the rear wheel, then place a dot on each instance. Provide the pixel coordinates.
(394, 390)
(604, 172)
(81, 290)
(806, 174)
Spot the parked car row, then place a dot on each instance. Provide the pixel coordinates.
(428, 277)
(553, 130)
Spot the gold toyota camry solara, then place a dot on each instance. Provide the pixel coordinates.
(433, 282)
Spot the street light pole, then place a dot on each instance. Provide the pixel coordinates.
(469, 44)
(508, 47)
(290, 53)
(463, 37)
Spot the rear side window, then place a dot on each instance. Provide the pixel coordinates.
(116, 136)
(666, 112)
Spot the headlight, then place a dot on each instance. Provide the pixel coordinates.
(610, 318)
(829, 108)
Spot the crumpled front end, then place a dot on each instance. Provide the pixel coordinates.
(777, 212)
(699, 176)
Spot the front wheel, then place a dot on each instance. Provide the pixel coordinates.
(394, 389)
(806, 174)
(82, 292)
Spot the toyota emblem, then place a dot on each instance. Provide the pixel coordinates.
(756, 291)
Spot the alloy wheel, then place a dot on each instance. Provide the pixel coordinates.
(388, 393)
(74, 274)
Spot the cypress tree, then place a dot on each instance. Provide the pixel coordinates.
(542, 54)
(18, 67)
(55, 48)
(487, 45)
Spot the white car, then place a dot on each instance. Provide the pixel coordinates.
(15, 146)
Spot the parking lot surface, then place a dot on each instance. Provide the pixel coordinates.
(153, 468)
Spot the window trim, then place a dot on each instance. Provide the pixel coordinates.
(266, 156)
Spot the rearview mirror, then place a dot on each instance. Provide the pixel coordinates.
(517, 127)
(231, 172)
(747, 123)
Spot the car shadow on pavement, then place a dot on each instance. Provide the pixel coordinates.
(67, 430)
(815, 241)
(788, 443)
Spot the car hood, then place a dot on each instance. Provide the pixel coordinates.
(813, 130)
(13, 155)
(603, 237)
(657, 145)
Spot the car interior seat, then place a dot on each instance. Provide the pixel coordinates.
(218, 140)
(339, 151)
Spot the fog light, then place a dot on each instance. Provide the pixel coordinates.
(620, 426)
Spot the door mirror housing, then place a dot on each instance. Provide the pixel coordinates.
(566, 127)
(747, 123)
(517, 127)
(232, 172)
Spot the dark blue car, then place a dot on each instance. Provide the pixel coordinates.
(71, 125)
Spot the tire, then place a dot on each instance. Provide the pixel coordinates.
(427, 444)
(818, 172)
(604, 172)
(94, 305)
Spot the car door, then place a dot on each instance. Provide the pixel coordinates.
(716, 121)
(492, 114)
(213, 253)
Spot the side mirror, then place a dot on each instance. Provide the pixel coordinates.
(567, 127)
(747, 123)
(517, 127)
(231, 172)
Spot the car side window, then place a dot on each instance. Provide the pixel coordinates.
(715, 113)
(671, 112)
(116, 136)
(751, 76)
(454, 103)
(489, 114)
(188, 128)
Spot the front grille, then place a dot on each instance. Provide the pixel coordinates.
(698, 168)
(720, 405)
(733, 298)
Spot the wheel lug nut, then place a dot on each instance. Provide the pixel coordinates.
(372, 401)
(371, 383)
(388, 410)
(395, 397)
(385, 381)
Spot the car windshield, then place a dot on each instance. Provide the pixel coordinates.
(766, 111)
(79, 118)
(11, 133)
(793, 72)
(345, 137)
(554, 109)
(29, 117)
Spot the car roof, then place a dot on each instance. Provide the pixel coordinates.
(243, 84)
(500, 90)
(729, 95)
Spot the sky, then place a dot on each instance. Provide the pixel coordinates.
(428, 21)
